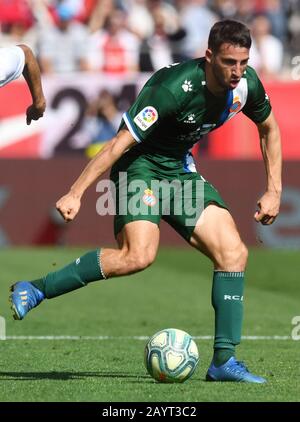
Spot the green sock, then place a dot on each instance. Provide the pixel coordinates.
(227, 300)
(221, 356)
(75, 275)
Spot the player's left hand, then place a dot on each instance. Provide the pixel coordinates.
(35, 111)
(268, 206)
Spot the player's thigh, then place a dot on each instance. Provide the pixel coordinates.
(216, 235)
(135, 201)
(138, 231)
(190, 202)
(139, 237)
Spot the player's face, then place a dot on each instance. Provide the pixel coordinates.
(228, 64)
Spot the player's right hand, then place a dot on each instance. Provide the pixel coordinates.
(68, 206)
(35, 111)
(268, 208)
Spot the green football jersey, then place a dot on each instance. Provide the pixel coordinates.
(175, 108)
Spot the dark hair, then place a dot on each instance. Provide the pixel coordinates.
(229, 31)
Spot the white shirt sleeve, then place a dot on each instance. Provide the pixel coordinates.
(12, 62)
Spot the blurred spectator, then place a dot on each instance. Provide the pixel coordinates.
(15, 11)
(245, 11)
(274, 10)
(59, 30)
(18, 33)
(41, 12)
(45, 11)
(224, 9)
(267, 52)
(294, 26)
(101, 11)
(86, 11)
(63, 48)
(115, 49)
(167, 10)
(140, 20)
(102, 121)
(140, 16)
(17, 23)
(197, 20)
(161, 48)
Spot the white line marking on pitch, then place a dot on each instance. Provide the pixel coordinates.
(275, 337)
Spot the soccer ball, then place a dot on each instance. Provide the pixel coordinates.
(171, 355)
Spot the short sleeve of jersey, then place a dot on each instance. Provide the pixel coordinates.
(12, 61)
(152, 108)
(257, 107)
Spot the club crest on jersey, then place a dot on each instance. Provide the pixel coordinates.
(236, 105)
(149, 198)
(146, 118)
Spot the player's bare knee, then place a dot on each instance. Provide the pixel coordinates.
(140, 261)
(244, 255)
(239, 257)
(232, 257)
(144, 260)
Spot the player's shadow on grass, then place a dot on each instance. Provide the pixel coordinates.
(67, 375)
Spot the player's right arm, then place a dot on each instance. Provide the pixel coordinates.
(258, 109)
(69, 204)
(32, 75)
(153, 105)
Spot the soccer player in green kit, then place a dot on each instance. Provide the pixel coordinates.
(176, 106)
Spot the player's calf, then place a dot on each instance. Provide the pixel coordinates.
(126, 261)
(88, 268)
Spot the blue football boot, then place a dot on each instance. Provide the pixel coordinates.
(232, 370)
(23, 298)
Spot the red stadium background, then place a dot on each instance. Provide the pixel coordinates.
(66, 95)
(30, 186)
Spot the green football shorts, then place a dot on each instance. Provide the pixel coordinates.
(154, 187)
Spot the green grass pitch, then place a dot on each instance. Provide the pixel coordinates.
(174, 292)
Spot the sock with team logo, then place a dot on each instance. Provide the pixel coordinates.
(227, 300)
(75, 275)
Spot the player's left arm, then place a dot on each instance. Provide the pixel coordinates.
(32, 75)
(270, 142)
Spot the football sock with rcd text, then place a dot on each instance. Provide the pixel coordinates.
(227, 300)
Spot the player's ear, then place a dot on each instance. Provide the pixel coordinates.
(208, 55)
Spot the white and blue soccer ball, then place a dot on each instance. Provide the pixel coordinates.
(171, 355)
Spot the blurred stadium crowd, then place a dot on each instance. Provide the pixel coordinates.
(123, 36)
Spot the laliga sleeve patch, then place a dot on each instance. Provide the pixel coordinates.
(146, 118)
